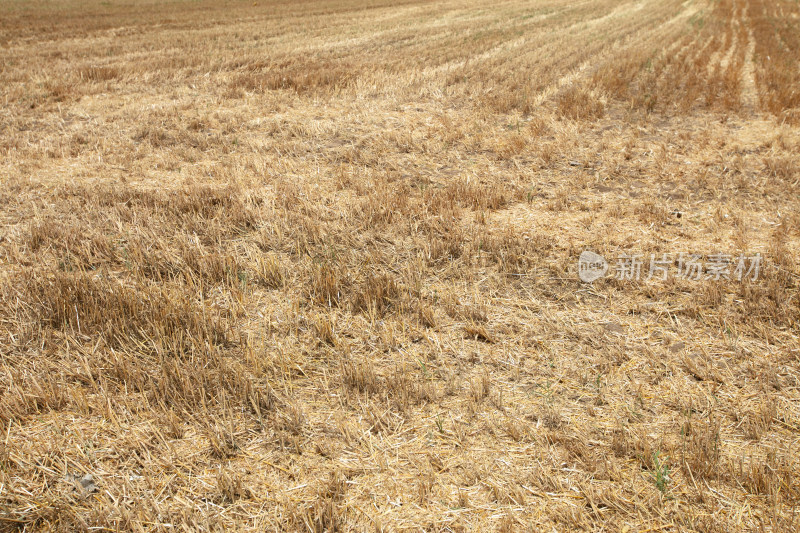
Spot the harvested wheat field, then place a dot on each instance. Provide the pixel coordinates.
(314, 266)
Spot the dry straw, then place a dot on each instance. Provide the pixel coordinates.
(313, 266)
